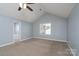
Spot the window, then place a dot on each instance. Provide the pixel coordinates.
(45, 28)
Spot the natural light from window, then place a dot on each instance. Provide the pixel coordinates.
(45, 29)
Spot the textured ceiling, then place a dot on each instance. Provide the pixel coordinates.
(58, 9)
(11, 10)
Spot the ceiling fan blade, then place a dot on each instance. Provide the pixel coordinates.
(19, 8)
(29, 8)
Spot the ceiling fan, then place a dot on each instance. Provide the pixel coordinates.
(24, 6)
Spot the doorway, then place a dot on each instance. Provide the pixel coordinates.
(17, 31)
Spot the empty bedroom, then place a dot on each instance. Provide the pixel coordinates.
(39, 29)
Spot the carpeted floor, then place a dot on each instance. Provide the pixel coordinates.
(36, 47)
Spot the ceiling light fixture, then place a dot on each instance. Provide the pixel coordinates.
(21, 5)
(24, 5)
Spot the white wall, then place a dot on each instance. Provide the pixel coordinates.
(73, 30)
(59, 27)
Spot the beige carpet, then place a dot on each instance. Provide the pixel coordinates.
(36, 47)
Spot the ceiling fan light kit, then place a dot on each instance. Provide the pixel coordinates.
(21, 5)
(24, 6)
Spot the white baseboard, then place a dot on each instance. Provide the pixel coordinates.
(51, 39)
(9, 43)
(26, 39)
(72, 50)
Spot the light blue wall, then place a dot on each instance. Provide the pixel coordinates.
(6, 29)
(26, 30)
(73, 29)
(59, 27)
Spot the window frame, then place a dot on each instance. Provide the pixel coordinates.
(42, 32)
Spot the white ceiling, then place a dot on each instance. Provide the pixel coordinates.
(58, 9)
(10, 9)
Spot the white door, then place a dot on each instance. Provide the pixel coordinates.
(17, 31)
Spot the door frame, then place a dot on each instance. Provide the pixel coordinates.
(19, 34)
